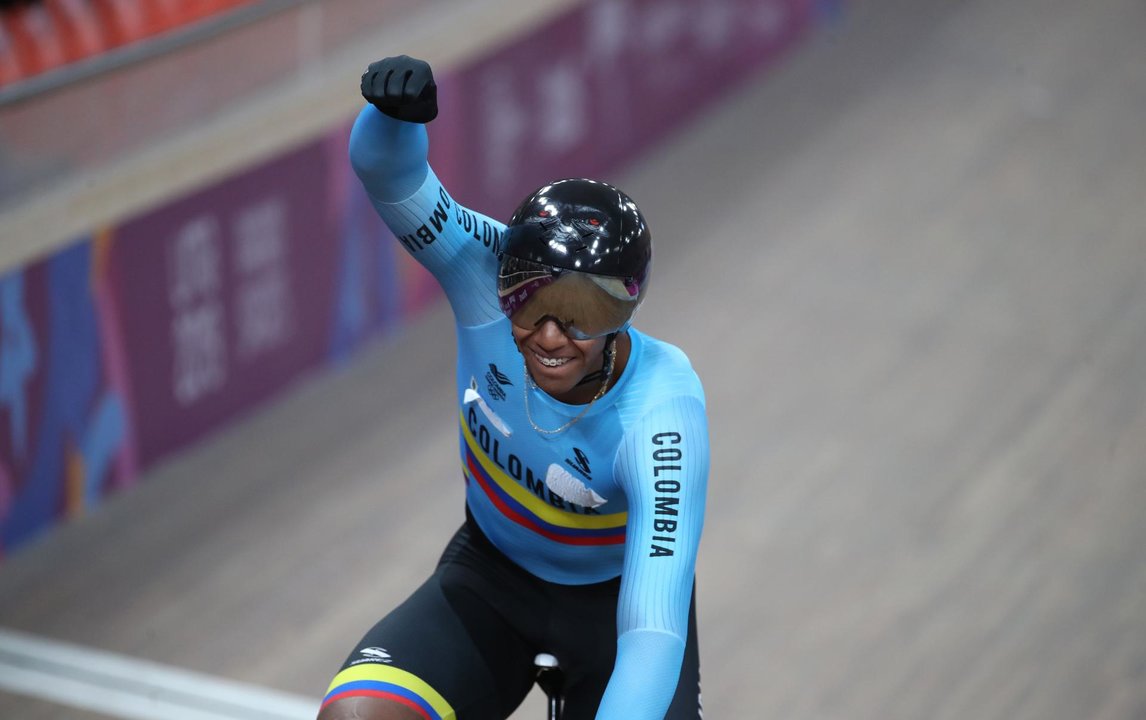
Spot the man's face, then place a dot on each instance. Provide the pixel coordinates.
(557, 362)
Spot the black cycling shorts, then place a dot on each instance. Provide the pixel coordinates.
(463, 644)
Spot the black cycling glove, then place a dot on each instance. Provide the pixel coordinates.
(403, 88)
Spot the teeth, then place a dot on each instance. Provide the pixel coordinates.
(551, 362)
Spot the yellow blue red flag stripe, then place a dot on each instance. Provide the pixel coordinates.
(528, 510)
(390, 683)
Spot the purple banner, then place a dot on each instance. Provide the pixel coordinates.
(599, 85)
(225, 296)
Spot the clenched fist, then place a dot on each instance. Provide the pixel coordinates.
(403, 88)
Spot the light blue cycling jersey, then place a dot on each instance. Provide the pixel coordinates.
(620, 492)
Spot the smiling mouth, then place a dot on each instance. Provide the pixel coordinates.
(550, 361)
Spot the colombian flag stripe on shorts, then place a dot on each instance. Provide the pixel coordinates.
(386, 681)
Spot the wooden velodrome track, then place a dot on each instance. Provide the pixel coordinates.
(910, 265)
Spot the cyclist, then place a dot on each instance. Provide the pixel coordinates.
(584, 450)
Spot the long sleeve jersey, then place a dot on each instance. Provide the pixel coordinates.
(620, 492)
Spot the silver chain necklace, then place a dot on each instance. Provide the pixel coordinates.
(529, 383)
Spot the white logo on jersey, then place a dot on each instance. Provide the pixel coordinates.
(472, 395)
(567, 487)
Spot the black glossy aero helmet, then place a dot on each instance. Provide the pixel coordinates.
(577, 251)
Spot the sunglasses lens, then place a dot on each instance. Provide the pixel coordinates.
(585, 305)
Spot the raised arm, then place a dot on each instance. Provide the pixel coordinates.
(388, 151)
(388, 155)
(663, 467)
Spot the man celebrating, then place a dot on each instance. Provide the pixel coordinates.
(583, 446)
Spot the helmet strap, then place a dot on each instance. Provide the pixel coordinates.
(606, 363)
